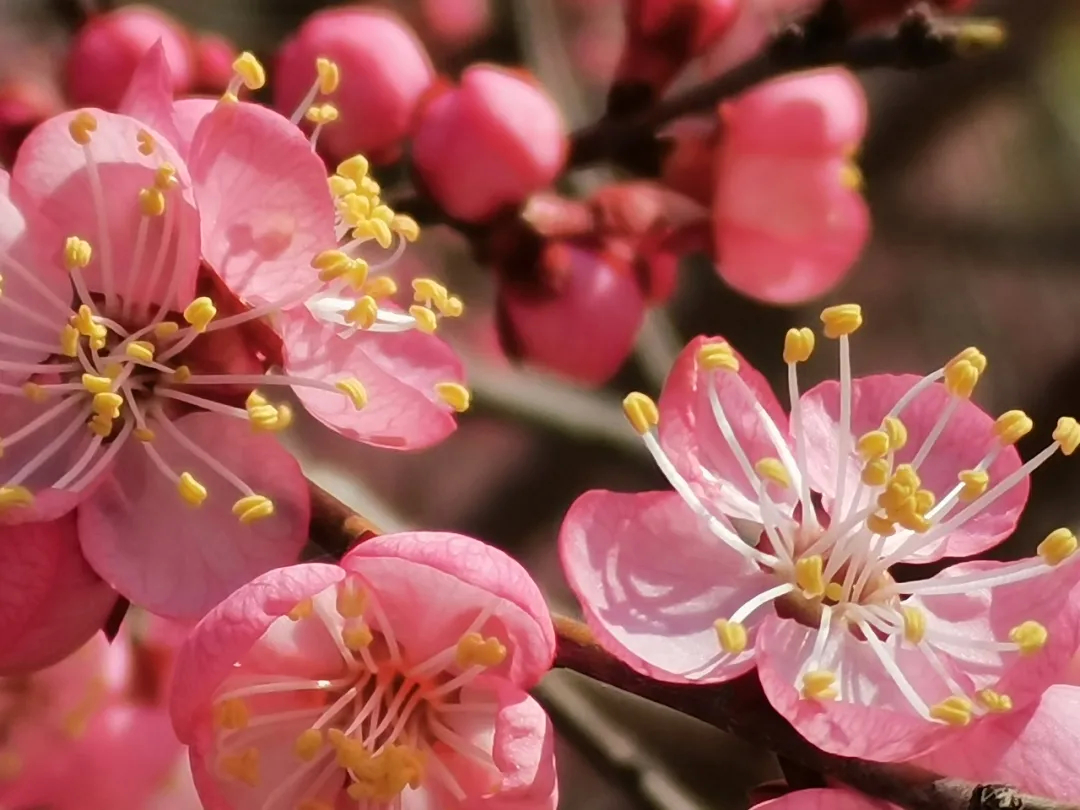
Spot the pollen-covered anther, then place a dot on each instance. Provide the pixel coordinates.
(355, 168)
(151, 201)
(331, 264)
(456, 395)
(406, 227)
(473, 650)
(146, 142)
(142, 350)
(427, 291)
(426, 320)
(717, 357)
(308, 744)
(961, 379)
(301, 610)
(191, 491)
(250, 71)
(322, 114)
(144, 435)
(819, 684)
(329, 75)
(1058, 546)
(199, 313)
(35, 393)
(82, 127)
(994, 702)
(798, 345)
(108, 404)
(896, 431)
(69, 341)
(77, 253)
(914, 623)
(232, 714)
(14, 497)
(808, 576)
(251, 508)
(954, 711)
(166, 329)
(876, 472)
(834, 591)
(842, 319)
(1012, 426)
(975, 483)
(641, 412)
(243, 767)
(1067, 434)
(357, 636)
(731, 635)
(851, 176)
(772, 469)
(1029, 637)
(354, 390)
(873, 445)
(340, 186)
(181, 374)
(374, 229)
(165, 178)
(969, 355)
(100, 424)
(364, 313)
(380, 287)
(880, 523)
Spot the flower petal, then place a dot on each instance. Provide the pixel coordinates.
(149, 95)
(266, 207)
(177, 561)
(431, 586)
(652, 582)
(690, 436)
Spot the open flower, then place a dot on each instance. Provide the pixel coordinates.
(394, 680)
(777, 545)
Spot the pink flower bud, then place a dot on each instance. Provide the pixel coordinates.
(788, 218)
(384, 72)
(488, 143)
(457, 22)
(214, 57)
(105, 52)
(585, 327)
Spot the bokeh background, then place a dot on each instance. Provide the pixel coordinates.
(973, 178)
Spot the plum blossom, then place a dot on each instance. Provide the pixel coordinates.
(396, 679)
(776, 548)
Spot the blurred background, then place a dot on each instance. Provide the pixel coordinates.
(973, 179)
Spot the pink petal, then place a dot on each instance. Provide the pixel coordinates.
(399, 372)
(266, 207)
(432, 585)
(652, 581)
(178, 561)
(51, 602)
(966, 439)
(228, 632)
(149, 96)
(52, 169)
(1034, 749)
(187, 115)
(823, 799)
(691, 438)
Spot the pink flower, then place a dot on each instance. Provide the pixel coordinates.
(396, 679)
(74, 738)
(107, 50)
(489, 143)
(457, 22)
(385, 71)
(788, 218)
(823, 799)
(776, 548)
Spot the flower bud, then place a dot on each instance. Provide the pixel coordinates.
(107, 49)
(489, 143)
(456, 23)
(384, 72)
(214, 57)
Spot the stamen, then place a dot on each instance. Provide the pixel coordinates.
(1058, 546)
(889, 663)
(798, 346)
(839, 322)
(954, 711)
(204, 456)
(47, 452)
(732, 636)
(6, 260)
(326, 82)
(455, 395)
(760, 600)
(819, 684)
(1030, 637)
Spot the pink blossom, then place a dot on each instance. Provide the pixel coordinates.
(384, 72)
(488, 143)
(457, 22)
(824, 799)
(108, 48)
(776, 548)
(788, 218)
(396, 679)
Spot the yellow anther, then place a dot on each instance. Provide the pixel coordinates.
(232, 714)
(69, 341)
(876, 472)
(165, 178)
(1067, 434)
(199, 313)
(1012, 426)
(354, 390)
(100, 425)
(368, 186)
(961, 379)
(34, 392)
(331, 264)
(166, 329)
(1058, 546)
(355, 168)
(842, 319)
(181, 374)
(357, 637)
(717, 357)
(406, 227)
(914, 623)
(995, 702)
(340, 186)
(383, 212)
(975, 483)
(896, 431)
(969, 355)
(381, 232)
(452, 307)
(924, 501)
(364, 313)
(82, 127)
(151, 202)
(192, 492)
(798, 345)
(774, 470)
(731, 635)
(308, 744)
(851, 176)
(243, 767)
(381, 287)
(641, 411)
(912, 521)
(302, 610)
(250, 70)
(329, 75)
(146, 142)
(144, 435)
(873, 445)
(322, 114)
(427, 291)
(83, 321)
(140, 350)
(77, 253)
(253, 507)
(473, 650)
(456, 395)
(819, 684)
(426, 320)
(880, 524)
(808, 576)
(97, 343)
(834, 591)
(1029, 636)
(954, 711)
(351, 599)
(15, 497)
(906, 477)
(353, 207)
(108, 404)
